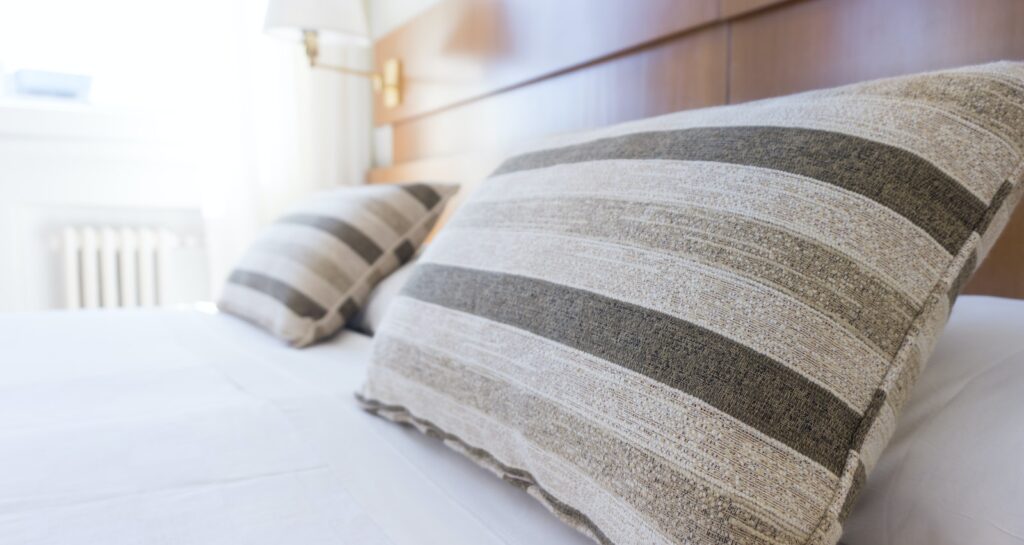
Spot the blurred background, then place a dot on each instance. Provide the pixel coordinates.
(143, 143)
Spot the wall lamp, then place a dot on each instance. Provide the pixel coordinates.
(333, 22)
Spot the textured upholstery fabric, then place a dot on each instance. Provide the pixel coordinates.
(312, 270)
(698, 328)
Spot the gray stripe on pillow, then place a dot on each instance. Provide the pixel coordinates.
(405, 251)
(290, 297)
(997, 202)
(638, 478)
(894, 177)
(343, 231)
(818, 275)
(423, 193)
(735, 379)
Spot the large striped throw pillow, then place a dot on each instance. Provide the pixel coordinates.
(312, 270)
(699, 328)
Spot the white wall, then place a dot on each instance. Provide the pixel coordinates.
(387, 15)
(67, 160)
(194, 109)
(154, 140)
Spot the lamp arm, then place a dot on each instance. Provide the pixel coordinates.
(388, 82)
(374, 77)
(343, 70)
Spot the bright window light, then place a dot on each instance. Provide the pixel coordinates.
(139, 53)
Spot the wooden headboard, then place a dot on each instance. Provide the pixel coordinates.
(483, 75)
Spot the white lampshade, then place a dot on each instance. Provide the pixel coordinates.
(336, 21)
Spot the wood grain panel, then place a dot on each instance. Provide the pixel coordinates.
(1002, 272)
(460, 169)
(465, 170)
(733, 8)
(822, 43)
(484, 75)
(462, 49)
(685, 72)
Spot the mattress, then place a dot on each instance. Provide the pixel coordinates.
(191, 427)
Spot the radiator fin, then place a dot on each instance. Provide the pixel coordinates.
(110, 267)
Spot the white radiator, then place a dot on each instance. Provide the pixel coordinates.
(113, 267)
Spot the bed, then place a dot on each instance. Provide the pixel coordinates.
(192, 427)
(189, 426)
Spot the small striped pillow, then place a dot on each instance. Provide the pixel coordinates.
(699, 328)
(311, 270)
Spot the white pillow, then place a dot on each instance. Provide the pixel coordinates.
(953, 473)
(380, 299)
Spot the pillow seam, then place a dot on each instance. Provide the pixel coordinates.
(935, 297)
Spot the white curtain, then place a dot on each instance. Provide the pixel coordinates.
(247, 125)
(299, 130)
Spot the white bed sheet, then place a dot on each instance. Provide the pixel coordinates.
(953, 473)
(161, 427)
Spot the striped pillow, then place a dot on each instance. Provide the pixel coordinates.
(310, 271)
(699, 328)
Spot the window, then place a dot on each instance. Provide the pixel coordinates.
(137, 53)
